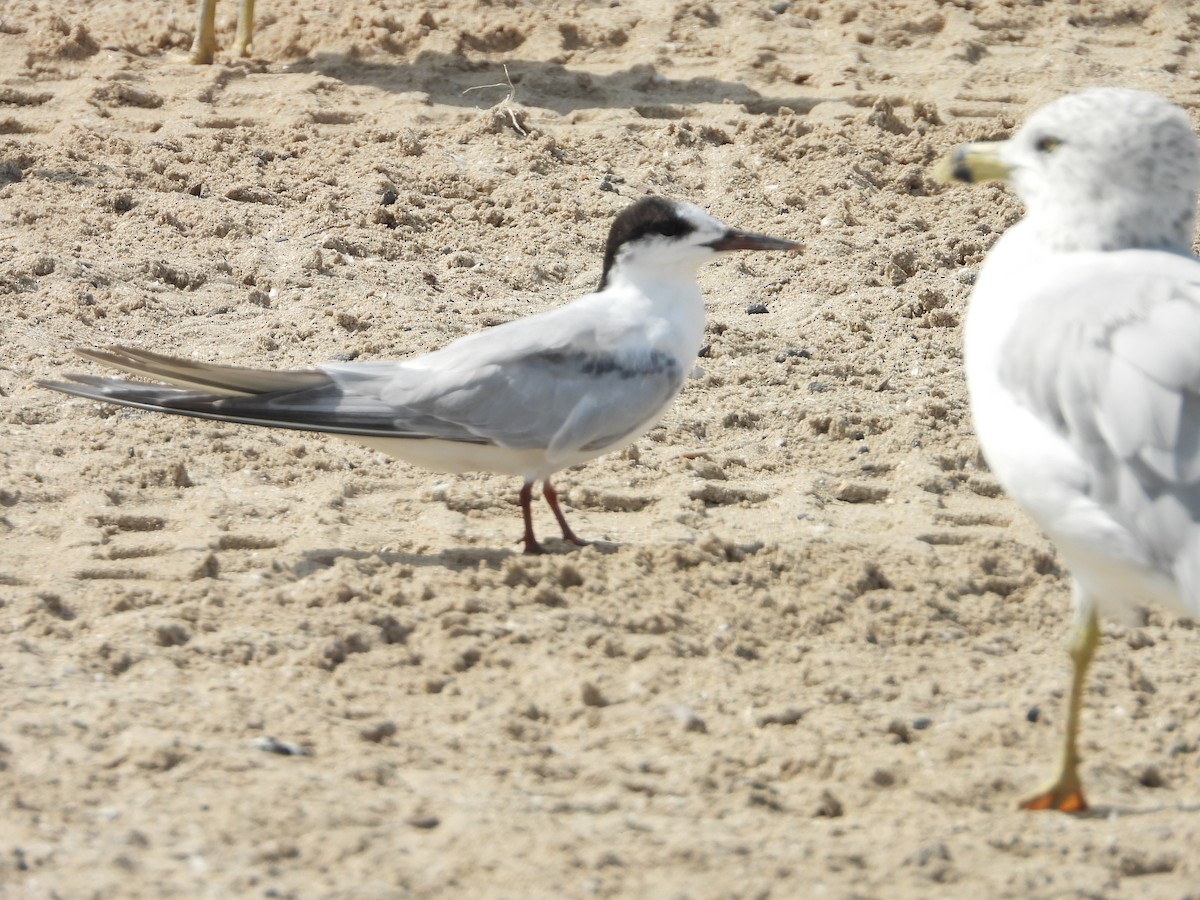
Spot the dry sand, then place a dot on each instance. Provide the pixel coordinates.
(813, 652)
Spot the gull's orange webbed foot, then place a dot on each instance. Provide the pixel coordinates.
(1061, 797)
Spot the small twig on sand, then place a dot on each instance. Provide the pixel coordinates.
(507, 103)
(326, 228)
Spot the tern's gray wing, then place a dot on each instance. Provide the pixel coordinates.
(1112, 363)
(565, 400)
(323, 408)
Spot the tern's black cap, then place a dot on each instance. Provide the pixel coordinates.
(650, 215)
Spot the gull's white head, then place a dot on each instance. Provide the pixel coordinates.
(657, 239)
(1102, 169)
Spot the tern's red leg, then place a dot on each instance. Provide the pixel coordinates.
(526, 497)
(551, 496)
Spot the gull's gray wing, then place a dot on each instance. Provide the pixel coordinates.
(1111, 360)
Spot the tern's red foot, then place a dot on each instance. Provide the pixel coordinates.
(532, 547)
(551, 496)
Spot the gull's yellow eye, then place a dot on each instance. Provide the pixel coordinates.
(1048, 145)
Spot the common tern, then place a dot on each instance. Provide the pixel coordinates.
(529, 397)
(1082, 350)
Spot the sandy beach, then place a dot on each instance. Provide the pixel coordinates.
(812, 651)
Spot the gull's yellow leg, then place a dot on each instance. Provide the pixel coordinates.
(204, 45)
(1064, 792)
(245, 29)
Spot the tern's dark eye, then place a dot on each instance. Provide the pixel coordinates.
(1048, 145)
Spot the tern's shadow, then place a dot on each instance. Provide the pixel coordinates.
(454, 80)
(455, 559)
